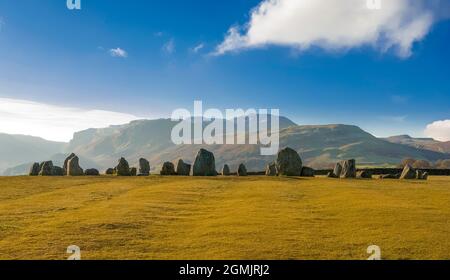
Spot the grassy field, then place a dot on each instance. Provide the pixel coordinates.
(223, 218)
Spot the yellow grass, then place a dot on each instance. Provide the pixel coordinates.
(223, 218)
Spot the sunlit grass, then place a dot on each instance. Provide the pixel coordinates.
(223, 218)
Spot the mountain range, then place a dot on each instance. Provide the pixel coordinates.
(320, 146)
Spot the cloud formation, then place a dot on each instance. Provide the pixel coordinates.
(53, 122)
(118, 52)
(334, 25)
(198, 48)
(439, 130)
(169, 47)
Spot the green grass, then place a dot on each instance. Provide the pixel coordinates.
(223, 218)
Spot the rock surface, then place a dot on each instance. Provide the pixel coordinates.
(66, 161)
(205, 164)
(109, 171)
(168, 169)
(363, 174)
(271, 169)
(289, 163)
(73, 167)
(123, 168)
(307, 172)
(183, 169)
(57, 171)
(91, 172)
(242, 170)
(133, 171)
(34, 169)
(46, 168)
(408, 173)
(226, 170)
(348, 169)
(337, 170)
(144, 167)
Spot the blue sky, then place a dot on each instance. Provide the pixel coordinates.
(166, 56)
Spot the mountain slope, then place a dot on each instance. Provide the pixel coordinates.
(19, 149)
(421, 143)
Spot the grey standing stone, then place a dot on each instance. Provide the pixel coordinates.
(66, 161)
(226, 170)
(133, 171)
(337, 170)
(205, 164)
(46, 168)
(307, 172)
(73, 167)
(34, 169)
(183, 169)
(109, 171)
(123, 168)
(91, 172)
(144, 167)
(363, 174)
(348, 169)
(242, 170)
(289, 163)
(57, 171)
(408, 173)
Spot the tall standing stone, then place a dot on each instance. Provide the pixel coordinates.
(73, 167)
(66, 161)
(289, 163)
(183, 169)
(205, 164)
(226, 170)
(34, 170)
(242, 170)
(123, 168)
(144, 167)
(337, 170)
(348, 169)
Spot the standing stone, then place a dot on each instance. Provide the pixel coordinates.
(408, 173)
(205, 164)
(420, 175)
(226, 170)
(73, 167)
(307, 172)
(57, 171)
(168, 169)
(363, 174)
(109, 171)
(337, 170)
(91, 172)
(122, 169)
(34, 170)
(46, 168)
(66, 161)
(133, 171)
(425, 176)
(144, 167)
(183, 169)
(271, 169)
(348, 169)
(289, 163)
(242, 170)
(331, 175)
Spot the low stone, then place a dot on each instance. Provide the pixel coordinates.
(425, 176)
(242, 170)
(331, 175)
(307, 172)
(109, 171)
(168, 169)
(390, 176)
(91, 172)
(57, 171)
(133, 171)
(34, 169)
(364, 174)
(271, 169)
(183, 169)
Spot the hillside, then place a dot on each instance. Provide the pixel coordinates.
(20, 149)
(320, 146)
(421, 143)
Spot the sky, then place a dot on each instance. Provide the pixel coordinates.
(384, 68)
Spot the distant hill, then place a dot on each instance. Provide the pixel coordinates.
(320, 146)
(19, 149)
(421, 143)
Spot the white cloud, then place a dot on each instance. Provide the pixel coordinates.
(198, 48)
(439, 130)
(169, 47)
(118, 53)
(53, 122)
(333, 25)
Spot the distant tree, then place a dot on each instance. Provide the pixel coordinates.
(406, 161)
(421, 164)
